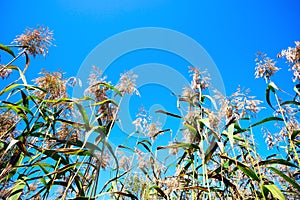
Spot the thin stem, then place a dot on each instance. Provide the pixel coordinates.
(15, 58)
(288, 130)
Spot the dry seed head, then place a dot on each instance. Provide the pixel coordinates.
(188, 136)
(7, 124)
(128, 83)
(53, 83)
(125, 163)
(67, 132)
(103, 159)
(4, 72)
(265, 67)
(238, 105)
(173, 151)
(152, 130)
(200, 79)
(36, 41)
(293, 57)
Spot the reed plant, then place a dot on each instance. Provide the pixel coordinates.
(46, 152)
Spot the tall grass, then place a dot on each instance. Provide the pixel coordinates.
(45, 152)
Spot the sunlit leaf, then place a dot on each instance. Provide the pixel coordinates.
(209, 152)
(267, 120)
(275, 191)
(212, 100)
(17, 189)
(159, 190)
(111, 87)
(269, 88)
(192, 129)
(84, 115)
(286, 178)
(107, 101)
(179, 145)
(297, 89)
(244, 168)
(7, 49)
(277, 161)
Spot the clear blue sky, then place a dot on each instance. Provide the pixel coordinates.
(230, 31)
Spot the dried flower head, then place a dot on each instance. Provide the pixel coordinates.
(143, 162)
(214, 118)
(265, 66)
(4, 72)
(128, 83)
(174, 150)
(291, 126)
(171, 184)
(7, 123)
(36, 41)
(144, 125)
(189, 137)
(99, 91)
(238, 105)
(200, 79)
(152, 130)
(189, 95)
(293, 57)
(103, 159)
(125, 162)
(67, 132)
(53, 83)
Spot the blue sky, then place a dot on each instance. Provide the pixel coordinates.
(230, 31)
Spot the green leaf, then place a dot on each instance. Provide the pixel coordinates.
(111, 87)
(270, 88)
(84, 115)
(205, 121)
(229, 134)
(112, 152)
(295, 134)
(209, 152)
(161, 131)
(159, 190)
(266, 120)
(7, 49)
(275, 191)
(107, 101)
(17, 189)
(297, 89)
(125, 147)
(290, 102)
(192, 130)
(248, 171)
(179, 145)
(212, 101)
(167, 113)
(10, 87)
(52, 154)
(144, 144)
(277, 161)
(244, 168)
(73, 151)
(286, 178)
(24, 99)
(126, 195)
